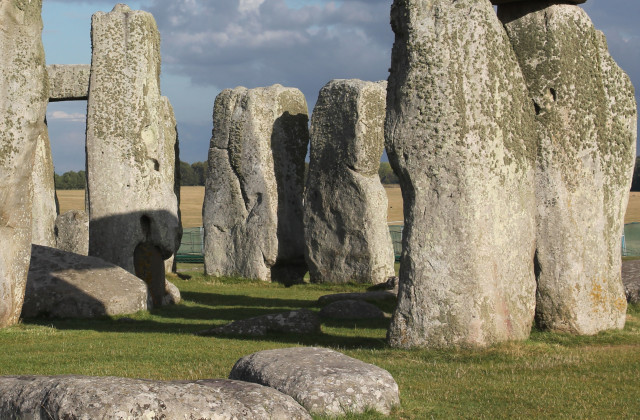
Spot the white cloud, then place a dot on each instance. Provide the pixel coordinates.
(62, 115)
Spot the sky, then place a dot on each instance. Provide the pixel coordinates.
(210, 45)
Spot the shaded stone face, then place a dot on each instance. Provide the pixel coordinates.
(460, 135)
(345, 213)
(24, 87)
(586, 124)
(131, 142)
(252, 211)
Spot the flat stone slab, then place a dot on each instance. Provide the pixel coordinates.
(374, 296)
(68, 82)
(631, 280)
(86, 397)
(302, 321)
(323, 381)
(351, 309)
(62, 284)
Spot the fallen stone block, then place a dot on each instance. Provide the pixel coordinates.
(323, 381)
(302, 321)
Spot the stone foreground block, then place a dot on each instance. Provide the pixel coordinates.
(86, 397)
(586, 124)
(68, 81)
(252, 211)
(345, 206)
(460, 135)
(131, 149)
(323, 381)
(25, 90)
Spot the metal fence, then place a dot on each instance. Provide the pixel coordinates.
(631, 240)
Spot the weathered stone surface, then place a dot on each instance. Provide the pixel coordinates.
(366, 296)
(498, 2)
(323, 381)
(66, 285)
(44, 204)
(586, 123)
(68, 82)
(86, 397)
(252, 211)
(172, 294)
(24, 87)
(345, 205)
(460, 134)
(631, 280)
(131, 149)
(301, 321)
(351, 309)
(72, 232)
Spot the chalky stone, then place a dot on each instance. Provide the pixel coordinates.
(460, 135)
(44, 206)
(68, 82)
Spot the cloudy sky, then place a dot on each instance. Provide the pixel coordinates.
(210, 45)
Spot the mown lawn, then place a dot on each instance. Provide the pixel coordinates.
(548, 376)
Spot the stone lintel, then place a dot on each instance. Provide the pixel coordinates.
(68, 82)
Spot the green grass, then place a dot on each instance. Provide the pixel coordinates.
(547, 376)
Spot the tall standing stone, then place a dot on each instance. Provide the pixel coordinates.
(44, 208)
(252, 212)
(460, 134)
(586, 123)
(25, 91)
(345, 206)
(131, 146)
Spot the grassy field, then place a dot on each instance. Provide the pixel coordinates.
(191, 199)
(547, 376)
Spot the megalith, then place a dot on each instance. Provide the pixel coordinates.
(68, 82)
(586, 124)
(72, 232)
(131, 148)
(252, 211)
(25, 91)
(460, 135)
(44, 205)
(345, 205)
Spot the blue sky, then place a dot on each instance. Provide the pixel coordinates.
(210, 45)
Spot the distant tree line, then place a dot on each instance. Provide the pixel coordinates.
(635, 183)
(194, 175)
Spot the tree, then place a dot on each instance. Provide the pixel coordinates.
(200, 171)
(187, 175)
(70, 180)
(387, 176)
(635, 183)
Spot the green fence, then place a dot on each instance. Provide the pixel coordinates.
(396, 239)
(631, 240)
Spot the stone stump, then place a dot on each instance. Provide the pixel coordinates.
(460, 135)
(586, 124)
(345, 207)
(252, 211)
(131, 147)
(25, 91)
(72, 232)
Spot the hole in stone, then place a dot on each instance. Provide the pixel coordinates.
(145, 224)
(156, 165)
(553, 94)
(537, 107)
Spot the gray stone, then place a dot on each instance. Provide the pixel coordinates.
(131, 149)
(351, 309)
(373, 296)
(631, 280)
(586, 124)
(66, 285)
(172, 294)
(345, 205)
(323, 381)
(498, 2)
(24, 87)
(252, 211)
(44, 204)
(301, 321)
(72, 232)
(86, 397)
(68, 82)
(460, 135)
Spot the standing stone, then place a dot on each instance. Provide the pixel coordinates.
(72, 232)
(25, 90)
(131, 143)
(460, 134)
(44, 209)
(345, 210)
(586, 123)
(252, 212)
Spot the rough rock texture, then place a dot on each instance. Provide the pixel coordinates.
(460, 134)
(66, 285)
(345, 205)
(302, 321)
(252, 211)
(586, 123)
(44, 203)
(172, 294)
(68, 82)
(366, 296)
(25, 89)
(131, 149)
(85, 397)
(351, 309)
(72, 232)
(536, 1)
(323, 381)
